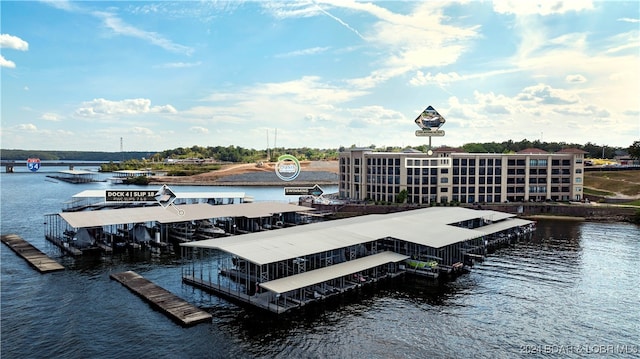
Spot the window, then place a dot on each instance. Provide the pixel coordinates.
(444, 180)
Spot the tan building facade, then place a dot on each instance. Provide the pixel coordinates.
(450, 175)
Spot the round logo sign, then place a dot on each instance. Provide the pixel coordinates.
(33, 164)
(287, 168)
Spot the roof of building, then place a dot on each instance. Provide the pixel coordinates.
(572, 150)
(177, 213)
(532, 150)
(428, 226)
(306, 279)
(448, 149)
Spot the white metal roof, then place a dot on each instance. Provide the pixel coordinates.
(429, 227)
(171, 214)
(309, 278)
(501, 226)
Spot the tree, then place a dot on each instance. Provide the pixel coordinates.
(634, 150)
(402, 196)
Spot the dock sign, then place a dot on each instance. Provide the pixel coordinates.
(315, 191)
(130, 196)
(33, 164)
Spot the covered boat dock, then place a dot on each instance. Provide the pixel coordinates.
(295, 266)
(82, 231)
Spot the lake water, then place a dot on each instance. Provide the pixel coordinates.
(573, 290)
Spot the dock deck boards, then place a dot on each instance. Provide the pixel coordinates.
(160, 298)
(38, 260)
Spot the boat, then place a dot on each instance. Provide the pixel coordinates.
(206, 229)
(182, 231)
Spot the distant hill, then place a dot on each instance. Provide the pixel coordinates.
(19, 155)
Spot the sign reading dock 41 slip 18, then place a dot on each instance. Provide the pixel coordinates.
(130, 196)
(164, 196)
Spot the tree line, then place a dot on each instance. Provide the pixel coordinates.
(244, 155)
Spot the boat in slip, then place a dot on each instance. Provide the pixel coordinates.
(206, 229)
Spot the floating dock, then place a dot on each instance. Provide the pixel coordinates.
(40, 261)
(160, 298)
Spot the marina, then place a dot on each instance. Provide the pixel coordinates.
(75, 176)
(85, 232)
(551, 284)
(293, 267)
(163, 300)
(38, 260)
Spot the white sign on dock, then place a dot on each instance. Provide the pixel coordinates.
(130, 196)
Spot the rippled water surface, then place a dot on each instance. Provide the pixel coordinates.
(572, 289)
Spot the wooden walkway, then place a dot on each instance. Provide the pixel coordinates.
(160, 298)
(31, 254)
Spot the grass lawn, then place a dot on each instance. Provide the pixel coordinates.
(609, 183)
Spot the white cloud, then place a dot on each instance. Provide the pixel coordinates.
(13, 42)
(141, 130)
(577, 78)
(627, 19)
(28, 127)
(102, 107)
(118, 26)
(6, 63)
(50, 117)
(179, 65)
(199, 130)
(405, 42)
(540, 7)
(303, 52)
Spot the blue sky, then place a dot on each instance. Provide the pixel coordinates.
(324, 74)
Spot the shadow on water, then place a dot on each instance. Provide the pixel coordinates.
(257, 326)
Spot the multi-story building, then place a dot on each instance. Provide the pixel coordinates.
(447, 174)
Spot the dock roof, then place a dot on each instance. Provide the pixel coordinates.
(306, 279)
(191, 212)
(429, 227)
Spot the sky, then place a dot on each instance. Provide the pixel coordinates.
(157, 75)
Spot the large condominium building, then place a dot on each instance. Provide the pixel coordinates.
(451, 175)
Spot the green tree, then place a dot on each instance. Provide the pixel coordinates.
(402, 196)
(634, 150)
